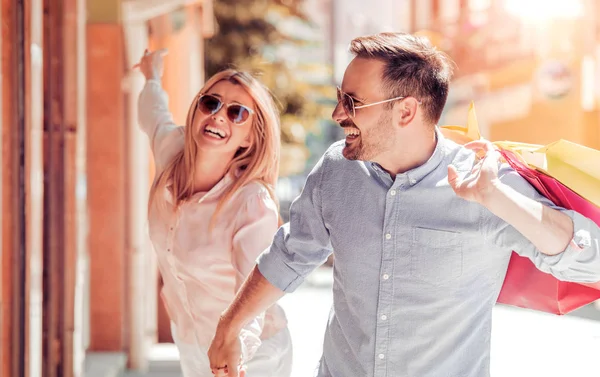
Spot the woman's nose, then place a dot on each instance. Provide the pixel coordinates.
(219, 116)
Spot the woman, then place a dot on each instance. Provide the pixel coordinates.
(212, 211)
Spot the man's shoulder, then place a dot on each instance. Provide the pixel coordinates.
(459, 156)
(333, 161)
(334, 152)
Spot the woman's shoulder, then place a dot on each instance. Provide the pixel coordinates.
(252, 201)
(254, 190)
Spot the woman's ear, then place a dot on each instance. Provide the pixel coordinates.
(247, 142)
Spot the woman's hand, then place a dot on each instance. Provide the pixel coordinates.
(152, 64)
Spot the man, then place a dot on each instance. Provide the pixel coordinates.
(422, 229)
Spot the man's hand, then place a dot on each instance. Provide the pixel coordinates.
(483, 178)
(254, 297)
(152, 64)
(225, 351)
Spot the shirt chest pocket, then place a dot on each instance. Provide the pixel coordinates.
(436, 256)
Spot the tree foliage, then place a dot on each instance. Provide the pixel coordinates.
(249, 36)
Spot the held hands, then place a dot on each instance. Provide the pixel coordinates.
(480, 183)
(226, 351)
(152, 64)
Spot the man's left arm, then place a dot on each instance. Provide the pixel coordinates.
(559, 241)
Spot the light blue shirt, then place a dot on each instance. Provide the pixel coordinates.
(417, 269)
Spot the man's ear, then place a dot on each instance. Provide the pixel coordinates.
(405, 111)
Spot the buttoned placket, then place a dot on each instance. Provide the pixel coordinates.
(186, 298)
(386, 283)
(173, 225)
(389, 253)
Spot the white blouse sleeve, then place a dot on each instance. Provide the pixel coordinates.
(166, 138)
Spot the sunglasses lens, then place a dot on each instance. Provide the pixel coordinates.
(346, 101)
(238, 114)
(348, 104)
(209, 104)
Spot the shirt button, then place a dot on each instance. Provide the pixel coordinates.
(388, 236)
(381, 356)
(393, 192)
(386, 276)
(383, 317)
(413, 181)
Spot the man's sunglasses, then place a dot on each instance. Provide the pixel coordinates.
(236, 113)
(348, 102)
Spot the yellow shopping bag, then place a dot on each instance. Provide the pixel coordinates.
(573, 165)
(463, 134)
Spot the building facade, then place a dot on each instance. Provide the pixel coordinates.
(77, 273)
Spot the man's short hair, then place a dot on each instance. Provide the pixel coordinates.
(413, 67)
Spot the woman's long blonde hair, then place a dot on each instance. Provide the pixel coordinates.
(259, 162)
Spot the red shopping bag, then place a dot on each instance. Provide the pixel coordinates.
(527, 287)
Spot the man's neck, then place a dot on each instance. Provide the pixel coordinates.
(413, 152)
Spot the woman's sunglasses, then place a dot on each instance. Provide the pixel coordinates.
(236, 113)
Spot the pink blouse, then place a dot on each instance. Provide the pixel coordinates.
(202, 270)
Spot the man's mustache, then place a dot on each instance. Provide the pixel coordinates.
(347, 123)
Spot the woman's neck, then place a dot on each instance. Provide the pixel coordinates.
(209, 170)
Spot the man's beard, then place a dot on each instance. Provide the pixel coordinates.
(353, 152)
(371, 143)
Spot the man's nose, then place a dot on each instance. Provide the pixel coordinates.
(339, 114)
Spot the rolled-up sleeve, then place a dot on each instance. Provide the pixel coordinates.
(579, 262)
(155, 119)
(303, 244)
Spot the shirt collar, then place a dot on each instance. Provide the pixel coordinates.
(199, 197)
(415, 175)
(216, 191)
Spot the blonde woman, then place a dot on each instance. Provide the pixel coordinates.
(212, 211)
